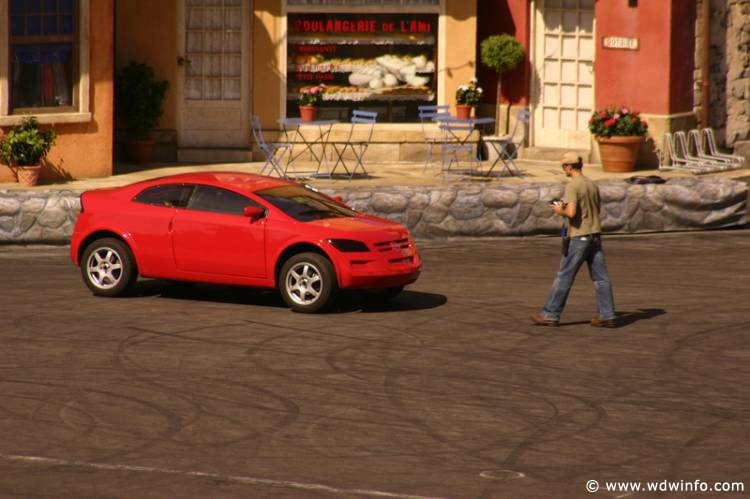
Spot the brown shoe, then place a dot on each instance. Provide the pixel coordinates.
(540, 320)
(603, 323)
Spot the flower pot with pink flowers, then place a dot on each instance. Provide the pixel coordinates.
(619, 132)
(309, 100)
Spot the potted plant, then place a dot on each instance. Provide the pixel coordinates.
(467, 97)
(502, 53)
(309, 100)
(619, 133)
(139, 97)
(24, 147)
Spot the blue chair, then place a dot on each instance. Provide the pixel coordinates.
(357, 141)
(270, 149)
(429, 116)
(507, 147)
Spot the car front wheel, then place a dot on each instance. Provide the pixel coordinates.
(108, 267)
(308, 282)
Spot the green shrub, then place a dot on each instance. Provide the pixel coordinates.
(501, 52)
(139, 98)
(25, 145)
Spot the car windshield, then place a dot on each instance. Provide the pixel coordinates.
(304, 203)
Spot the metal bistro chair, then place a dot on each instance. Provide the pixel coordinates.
(456, 135)
(270, 149)
(357, 141)
(430, 115)
(507, 147)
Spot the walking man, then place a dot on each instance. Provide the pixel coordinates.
(580, 207)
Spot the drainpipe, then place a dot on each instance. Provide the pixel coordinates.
(705, 69)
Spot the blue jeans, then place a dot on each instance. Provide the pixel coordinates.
(582, 249)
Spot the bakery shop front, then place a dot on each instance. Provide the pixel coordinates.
(377, 62)
(387, 56)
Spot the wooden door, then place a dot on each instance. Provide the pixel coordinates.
(563, 82)
(213, 80)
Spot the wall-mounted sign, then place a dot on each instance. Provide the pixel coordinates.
(620, 43)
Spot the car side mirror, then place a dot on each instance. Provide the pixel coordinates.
(253, 212)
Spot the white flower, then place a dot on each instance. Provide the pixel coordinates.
(463, 88)
(479, 90)
(474, 81)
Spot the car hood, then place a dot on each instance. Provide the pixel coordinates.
(365, 225)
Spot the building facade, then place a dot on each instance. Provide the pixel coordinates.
(226, 60)
(56, 63)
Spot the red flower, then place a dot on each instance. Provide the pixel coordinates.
(610, 122)
(602, 115)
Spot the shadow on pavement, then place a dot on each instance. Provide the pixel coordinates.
(351, 301)
(626, 318)
(405, 301)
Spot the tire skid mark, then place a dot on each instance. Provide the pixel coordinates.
(198, 402)
(245, 480)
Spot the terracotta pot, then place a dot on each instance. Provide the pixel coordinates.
(463, 111)
(307, 113)
(619, 154)
(139, 151)
(28, 176)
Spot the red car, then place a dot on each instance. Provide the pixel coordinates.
(237, 228)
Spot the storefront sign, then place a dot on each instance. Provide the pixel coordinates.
(351, 26)
(620, 43)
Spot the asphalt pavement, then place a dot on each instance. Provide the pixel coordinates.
(211, 391)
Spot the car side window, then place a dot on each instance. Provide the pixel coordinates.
(218, 200)
(170, 195)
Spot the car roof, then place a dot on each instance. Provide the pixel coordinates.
(238, 180)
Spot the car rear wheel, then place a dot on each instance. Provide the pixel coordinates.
(108, 267)
(308, 282)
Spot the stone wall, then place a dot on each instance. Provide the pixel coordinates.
(521, 209)
(32, 216)
(517, 209)
(729, 57)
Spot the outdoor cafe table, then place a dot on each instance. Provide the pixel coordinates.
(463, 124)
(292, 133)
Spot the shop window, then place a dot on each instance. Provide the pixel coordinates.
(44, 59)
(378, 62)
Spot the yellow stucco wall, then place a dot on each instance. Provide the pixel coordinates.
(85, 149)
(459, 41)
(266, 61)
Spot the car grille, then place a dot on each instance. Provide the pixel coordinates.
(394, 245)
(402, 247)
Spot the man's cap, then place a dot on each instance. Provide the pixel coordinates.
(570, 158)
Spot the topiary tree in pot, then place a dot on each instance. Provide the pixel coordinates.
(502, 53)
(24, 147)
(139, 97)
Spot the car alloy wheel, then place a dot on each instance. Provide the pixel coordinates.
(308, 282)
(108, 268)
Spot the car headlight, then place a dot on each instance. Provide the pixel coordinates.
(349, 245)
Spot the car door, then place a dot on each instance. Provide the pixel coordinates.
(212, 235)
(149, 226)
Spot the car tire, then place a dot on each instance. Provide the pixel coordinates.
(108, 267)
(308, 282)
